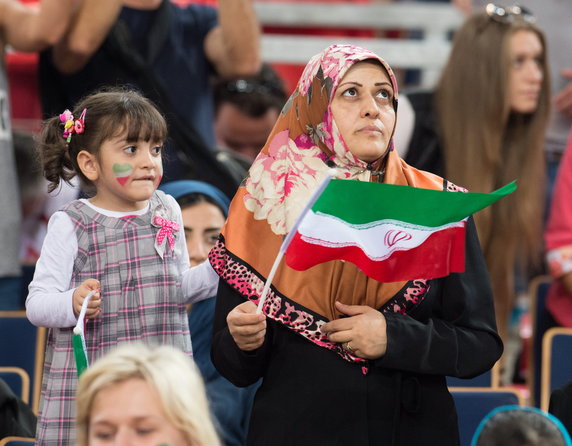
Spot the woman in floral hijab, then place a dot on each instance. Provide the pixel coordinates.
(344, 359)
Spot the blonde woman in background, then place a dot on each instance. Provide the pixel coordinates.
(146, 396)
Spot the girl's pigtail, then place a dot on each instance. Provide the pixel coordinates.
(54, 154)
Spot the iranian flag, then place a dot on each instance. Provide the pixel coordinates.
(392, 233)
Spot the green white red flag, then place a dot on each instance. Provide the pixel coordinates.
(78, 337)
(392, 233)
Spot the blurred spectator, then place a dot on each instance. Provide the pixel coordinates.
(246, 109)
(204, 209)
(16, 417)
(167, 52)
(28, 29)
(553, 17)
(558, 239)
(37, 204)
(520, 426)
(145, 396)
(483, 127)
(560, 405)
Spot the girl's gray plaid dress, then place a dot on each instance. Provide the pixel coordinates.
(141, 300)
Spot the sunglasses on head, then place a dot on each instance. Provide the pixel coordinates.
(508, 14)
(252, 86)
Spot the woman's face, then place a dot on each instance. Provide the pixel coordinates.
(525, 79)
(202, 223)
(130, 413)
(363, 110)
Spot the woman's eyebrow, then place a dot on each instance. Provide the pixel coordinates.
(350, 82)
(377, 84)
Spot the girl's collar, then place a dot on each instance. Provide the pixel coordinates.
(115, 214)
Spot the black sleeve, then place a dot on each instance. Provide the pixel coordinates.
(459, 338)
(239, 367)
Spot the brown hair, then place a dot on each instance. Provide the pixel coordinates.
(486, 146)
(109, 113)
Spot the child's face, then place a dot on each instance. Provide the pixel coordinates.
(128, 173)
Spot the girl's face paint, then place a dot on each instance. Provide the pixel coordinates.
(122, 172)
(129, 173)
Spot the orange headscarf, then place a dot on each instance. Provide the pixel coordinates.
(303, 145)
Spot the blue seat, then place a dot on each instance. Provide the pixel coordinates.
(556, 362)
(23, 345)
(18, 380)
(17, 441)
(474, 403)
(541, 320)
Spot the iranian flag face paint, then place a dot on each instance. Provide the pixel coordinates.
(122, 172)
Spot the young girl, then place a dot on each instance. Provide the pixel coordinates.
(125, 242)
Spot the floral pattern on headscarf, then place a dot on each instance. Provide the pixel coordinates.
(304, 141)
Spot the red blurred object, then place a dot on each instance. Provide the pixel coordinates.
(22, 71)
(24, 93)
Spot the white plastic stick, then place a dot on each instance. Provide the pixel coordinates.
(78, 329)
(269, 281)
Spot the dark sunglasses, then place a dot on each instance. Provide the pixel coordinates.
(508, 14)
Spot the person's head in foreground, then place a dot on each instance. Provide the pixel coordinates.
(146, 396)
(520, 426)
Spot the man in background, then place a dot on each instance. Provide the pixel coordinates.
(246, 109)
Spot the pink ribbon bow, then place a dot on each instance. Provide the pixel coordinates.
(167, 228)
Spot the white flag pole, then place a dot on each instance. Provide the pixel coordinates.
(317, 192)
(78, 329)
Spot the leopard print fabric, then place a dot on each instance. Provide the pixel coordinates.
(291, 314)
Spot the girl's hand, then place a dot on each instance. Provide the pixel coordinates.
(94, 305)
(363, 333)
(246, 327)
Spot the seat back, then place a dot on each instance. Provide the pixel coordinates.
(18, 380)
(435, 22)
(474, 403)
(23, 346)
(488, 379)
(541, 321)
(17, 441)
(556, 362)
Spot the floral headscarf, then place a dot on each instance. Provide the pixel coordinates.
(303, 145)
(305, 140)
